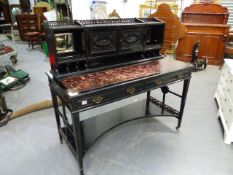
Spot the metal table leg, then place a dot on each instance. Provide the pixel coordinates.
(183, 100)
(147, 102)
(55, 107)
(78, 140)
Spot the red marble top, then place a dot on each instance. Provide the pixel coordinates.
(112, 76)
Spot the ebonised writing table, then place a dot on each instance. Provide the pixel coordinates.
(74, 131)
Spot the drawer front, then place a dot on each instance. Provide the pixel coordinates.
(158, 82)
(228, 116)
(229, 87)
(229, 108)
(222, 82)
(225, 74)
(226, 108)
(107, 96)
(97, 98)
(230, 92)
(218, 94)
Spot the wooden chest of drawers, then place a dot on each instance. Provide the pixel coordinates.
(224, 97)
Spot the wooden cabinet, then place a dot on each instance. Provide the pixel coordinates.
(210, 29)
(224, 97)
(4, 9)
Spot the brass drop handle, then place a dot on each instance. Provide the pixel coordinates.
(158, 82)
(130, 90)
(97, 99)
(180, 76)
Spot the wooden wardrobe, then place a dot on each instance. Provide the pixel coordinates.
(207, 23)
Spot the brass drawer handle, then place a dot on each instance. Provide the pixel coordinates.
(130, 90)
(158, 82)
(97, 99)
(180, 76)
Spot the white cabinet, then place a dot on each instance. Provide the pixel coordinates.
(224, 97)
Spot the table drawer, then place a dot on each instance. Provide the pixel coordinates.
(109, 95)
(93, 99)
(157, 81)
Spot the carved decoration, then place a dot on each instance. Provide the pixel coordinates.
(174, 30)
(131, 39)
(102, 41)
(114, 14)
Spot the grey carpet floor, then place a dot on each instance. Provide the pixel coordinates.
(29, 145)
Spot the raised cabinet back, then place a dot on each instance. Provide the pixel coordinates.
(205, 13)
(205, 23)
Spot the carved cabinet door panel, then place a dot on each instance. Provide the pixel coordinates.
(131, 39)
(185, 47)
(102, 41)
(211, 48)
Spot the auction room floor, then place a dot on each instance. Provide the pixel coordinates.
(29, 145)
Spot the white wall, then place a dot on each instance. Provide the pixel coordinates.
(81, 9)
(13, 1)
(32, 3)
(130, 8)
(17, 2)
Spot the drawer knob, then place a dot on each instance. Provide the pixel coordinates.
(158, 82)
(97, 99)
(130, 90)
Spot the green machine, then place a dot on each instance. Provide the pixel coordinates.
(13, 80)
